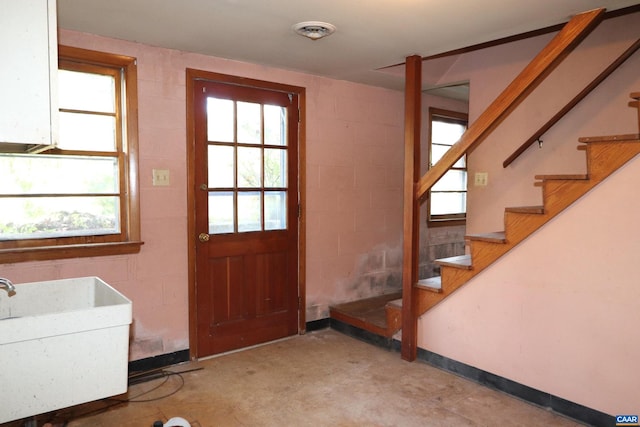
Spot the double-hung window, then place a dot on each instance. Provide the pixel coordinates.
(448, 196)
(79, 197)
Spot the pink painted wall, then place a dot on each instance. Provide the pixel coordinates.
(559, 313)
(354, 192)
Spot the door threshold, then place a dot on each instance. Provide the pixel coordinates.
(238, 350)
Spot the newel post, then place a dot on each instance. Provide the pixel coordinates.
(411, 225)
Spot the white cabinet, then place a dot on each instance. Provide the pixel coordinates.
(28, 72)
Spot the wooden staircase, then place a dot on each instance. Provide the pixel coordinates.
(604, 155)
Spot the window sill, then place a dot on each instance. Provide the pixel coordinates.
(44, 253)
(446, 223)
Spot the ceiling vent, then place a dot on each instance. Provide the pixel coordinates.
(314, 30)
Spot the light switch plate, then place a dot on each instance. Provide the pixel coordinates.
(481, 179)
(161, 177)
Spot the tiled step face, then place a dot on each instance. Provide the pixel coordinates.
(462, 262)
(433, 284)
(495, 237)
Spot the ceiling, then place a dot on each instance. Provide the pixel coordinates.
(371, 34)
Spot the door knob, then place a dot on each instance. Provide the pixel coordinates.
(203, 237)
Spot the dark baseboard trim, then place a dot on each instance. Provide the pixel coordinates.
(316, 325)
(366, 336)
(157, 362)
(561, 406)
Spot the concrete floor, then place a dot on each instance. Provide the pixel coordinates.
(323, 378)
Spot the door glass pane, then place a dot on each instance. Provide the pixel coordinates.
(448, 203)
(249, 212)
(87, 132)
(275, 168)
(453, 180)
(249, 123)
(220, 120)
(45, 217)
(221, 215)
(220, 166)
(42, 174)
(275, 121)
(249, 167)
(86, 91)
(275, 210)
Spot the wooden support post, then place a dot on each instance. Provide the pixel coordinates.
(411, 221)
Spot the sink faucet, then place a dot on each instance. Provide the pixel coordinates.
(8, 286)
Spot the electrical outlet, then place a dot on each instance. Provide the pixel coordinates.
(481, 179)
(161, 177)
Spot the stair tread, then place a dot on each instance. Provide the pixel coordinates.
(610, 138)
(396, 303)
(433, 284)
(494, 237)
(365, 305)
(461, 261)
(635, 95)
(526, 209)
(369, 314)
(562, 176)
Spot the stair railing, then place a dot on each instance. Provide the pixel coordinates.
(579, 97)
(529, 78)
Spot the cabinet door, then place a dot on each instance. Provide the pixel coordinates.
(28, 75)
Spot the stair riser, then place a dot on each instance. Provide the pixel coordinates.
(453, 278)
(485, 253)
(604, 158)
(519, 226)
(558, 195)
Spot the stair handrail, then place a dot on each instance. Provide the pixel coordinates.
(575, 101)
(540, 67)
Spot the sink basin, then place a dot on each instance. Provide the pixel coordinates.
(62, 343)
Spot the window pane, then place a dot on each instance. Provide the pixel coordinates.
(221, 215)
(249, 217)
(275, 125)
(446, 133)
(453, 180)
(275, 168)
(87, 132)
(249, 167)
(42, 174)
(220, 120)
(220, 166)
(86, 91)
(448, 203)
(275, 210)
(437, 151)
(249, 123)
(45, 217)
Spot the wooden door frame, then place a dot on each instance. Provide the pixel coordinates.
(191, 76)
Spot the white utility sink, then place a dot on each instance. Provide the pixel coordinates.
(62, 343)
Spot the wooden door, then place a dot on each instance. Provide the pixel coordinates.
(246, 198)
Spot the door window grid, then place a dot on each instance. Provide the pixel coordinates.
(247, 166)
